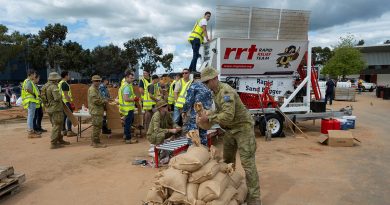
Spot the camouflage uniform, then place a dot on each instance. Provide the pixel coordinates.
(55, 110)
(158, 128)
(96, 109)
(232, 115)
(197, 92)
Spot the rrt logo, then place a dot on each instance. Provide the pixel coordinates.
(239, 51)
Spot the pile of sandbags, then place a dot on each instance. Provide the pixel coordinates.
(197, 178)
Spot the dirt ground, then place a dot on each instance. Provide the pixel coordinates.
(292, 170)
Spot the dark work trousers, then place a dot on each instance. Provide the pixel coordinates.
(330, 96)
(37, 121)
(195, 54)
(128, 122)
(104, 127)
(66, 120)
(8, 100)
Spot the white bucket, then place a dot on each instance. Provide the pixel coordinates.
(351, 120)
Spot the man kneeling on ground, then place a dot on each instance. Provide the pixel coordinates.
(161, 125)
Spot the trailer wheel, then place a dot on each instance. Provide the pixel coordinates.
(275, 123)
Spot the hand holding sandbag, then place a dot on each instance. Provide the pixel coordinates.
(194, 136)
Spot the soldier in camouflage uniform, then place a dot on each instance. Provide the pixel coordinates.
(96, 105)
(232, 115)
(161, 125)
(52, 99)
(198, 92)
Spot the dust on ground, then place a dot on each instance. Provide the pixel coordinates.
(293, 170)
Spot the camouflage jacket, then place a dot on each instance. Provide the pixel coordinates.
(230, 113)
(54, 97)
(95, 101)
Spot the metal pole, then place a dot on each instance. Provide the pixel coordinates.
(250, 22)
(280, 21)
(308, 69)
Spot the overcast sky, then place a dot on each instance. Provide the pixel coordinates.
(100, 22)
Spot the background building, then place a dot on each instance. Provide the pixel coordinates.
(378, 64)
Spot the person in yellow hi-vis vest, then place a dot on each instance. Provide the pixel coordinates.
(37, 122)
(127, 99)
(181, 88)
(147, 102)
(30, 101)
(66, 93)
(171, 93)
(196, 38)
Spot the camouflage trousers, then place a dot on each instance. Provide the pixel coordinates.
(158, 138)
(56, 119)
(97, 124)
(243, 140)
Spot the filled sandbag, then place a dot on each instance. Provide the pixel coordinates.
(178, 198)
(242, 192)
(213, 189)
(192, 192)
(226, 168)
(233, 202)
(236, 179)
(208, 171)
(192, 160)
(174, 179)
(225, 198)
(154, 196)
(199, 202)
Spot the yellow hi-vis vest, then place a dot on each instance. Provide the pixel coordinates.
(157, 92)
(171, 94)
(125, 107)
(62, 92)
(122, 82)
(181, 100)
(36, 92)
(27, 97)
(147, 102)
(197, 32)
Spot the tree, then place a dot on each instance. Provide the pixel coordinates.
(52, 37)
(11, 46)
(74, 58)
(347, 60)
(387, 42)
(321, 55)
(360, 43)
(107, 60)
(148, 54)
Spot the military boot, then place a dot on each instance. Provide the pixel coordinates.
(33, 134)
(98, 145)
(63, 142)
(254, 202)
(56, 146)
(70, 134)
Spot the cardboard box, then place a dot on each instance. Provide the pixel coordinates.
(338, 138)
(114, 123)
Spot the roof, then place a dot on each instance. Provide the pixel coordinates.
(374, 48)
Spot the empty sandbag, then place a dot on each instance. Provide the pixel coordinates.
(192, 192)
(174, 179)
(192, 160)
(242, 192)
(236, 179)
(225, 198)
(154, 196)
(213, 189)
(208, 171)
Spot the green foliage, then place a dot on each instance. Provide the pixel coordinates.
(108, 59)
(347, 60)
(321, 55)
(360, 43)
(147, 54)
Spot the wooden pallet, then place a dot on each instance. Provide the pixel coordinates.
(10, 181)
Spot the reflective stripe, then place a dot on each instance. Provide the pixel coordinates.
(183, 93)
(125, 107)
(197, 32)
(62, 92)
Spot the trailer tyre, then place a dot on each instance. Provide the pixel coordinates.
(275, 123)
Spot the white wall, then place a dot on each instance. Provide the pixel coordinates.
(383, 79)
